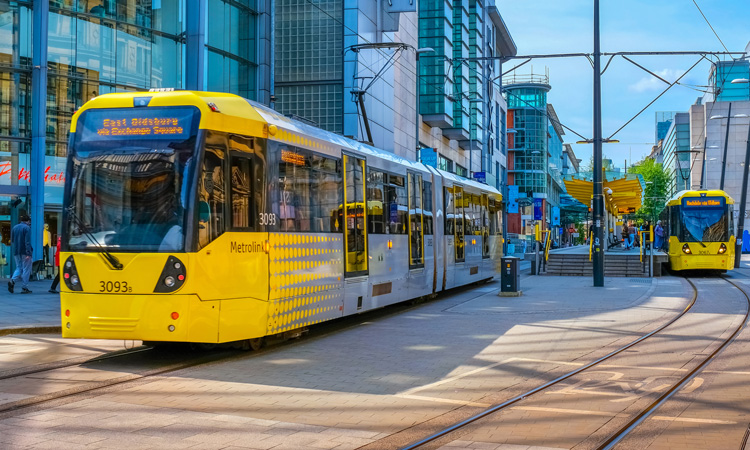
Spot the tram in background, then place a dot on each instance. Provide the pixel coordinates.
(205, 217)
(700, 226)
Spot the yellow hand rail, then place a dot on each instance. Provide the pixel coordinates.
(591, 243)
(547, 244)
(640, 248)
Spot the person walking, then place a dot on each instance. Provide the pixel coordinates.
(56, 281)
(20, 242)
(624, 232)
(631, 235)
(658, 235)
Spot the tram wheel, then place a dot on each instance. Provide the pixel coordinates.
(255, 344)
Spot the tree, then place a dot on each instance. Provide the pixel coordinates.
(655, 195)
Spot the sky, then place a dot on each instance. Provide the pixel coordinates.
(566, 26)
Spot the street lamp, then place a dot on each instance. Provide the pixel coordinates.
(741, 225)
(418, 52)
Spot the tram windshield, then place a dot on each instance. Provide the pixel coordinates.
(131, 175)
(705, 221)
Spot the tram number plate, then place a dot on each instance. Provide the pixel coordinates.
(704, 252)
(115, 286)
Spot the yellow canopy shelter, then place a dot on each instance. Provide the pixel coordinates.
(623, 193)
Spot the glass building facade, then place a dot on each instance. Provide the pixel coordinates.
(95, 47)
(676, 151)
(722, 74)
(528, 124)
(309, 69)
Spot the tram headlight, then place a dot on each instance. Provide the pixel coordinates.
(70, 275)
(172, 276)
(722, 249)
(686, 249)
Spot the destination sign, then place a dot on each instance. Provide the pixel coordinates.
(137, 123)
(703, 202)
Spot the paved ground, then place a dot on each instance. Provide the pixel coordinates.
(362, 386)
(23, 311)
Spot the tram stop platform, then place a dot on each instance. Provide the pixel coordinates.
(574, 261)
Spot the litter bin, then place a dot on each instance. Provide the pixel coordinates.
(510, 276)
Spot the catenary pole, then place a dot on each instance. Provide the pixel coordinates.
(598, 191)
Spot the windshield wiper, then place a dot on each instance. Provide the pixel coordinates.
(111, 259)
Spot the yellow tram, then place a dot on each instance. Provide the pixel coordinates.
(701, 233)
(205, 217)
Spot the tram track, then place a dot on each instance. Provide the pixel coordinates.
(444, 435)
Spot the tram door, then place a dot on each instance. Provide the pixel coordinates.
(355, 229)
(459, 228)
(416, 222)
(485, 226)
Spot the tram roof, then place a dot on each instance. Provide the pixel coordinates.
(676, 199)
(627, 192)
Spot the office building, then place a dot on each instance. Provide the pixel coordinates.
(56, 55)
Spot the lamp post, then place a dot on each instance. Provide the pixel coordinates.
(418, 52)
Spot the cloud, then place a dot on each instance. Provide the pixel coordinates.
(650, 83)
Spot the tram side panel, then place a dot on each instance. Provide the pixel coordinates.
(306, 280)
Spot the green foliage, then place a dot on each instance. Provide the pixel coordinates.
(655, 195)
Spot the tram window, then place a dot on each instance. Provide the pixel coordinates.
(449, 211)
(211, 190)
(309, 191)
(376, 202)
(427, 201)
(416, 231)
(241, 193)
(397, 205)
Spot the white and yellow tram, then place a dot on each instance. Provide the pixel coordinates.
(204, 217)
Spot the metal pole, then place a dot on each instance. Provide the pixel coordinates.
(505, 172)
(726, 144)
(38, 124)
(704, 184)
(416, 103)
(598, 187)
(741, 223)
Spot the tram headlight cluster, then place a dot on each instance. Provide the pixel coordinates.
(686, 249)
(172, 276)
(722, 249)
(70, 275)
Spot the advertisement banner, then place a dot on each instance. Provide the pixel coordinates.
(513, 199)
(555, 216)
(538, 202)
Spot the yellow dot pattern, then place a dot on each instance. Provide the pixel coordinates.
(304, 141)
(305, 273)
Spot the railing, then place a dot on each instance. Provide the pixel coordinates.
(547, 245)
(591, 243)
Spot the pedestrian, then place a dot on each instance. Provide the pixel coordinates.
(659, 235)
(20, 242)
(631, 235)
(56, 281)
(625, 235)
